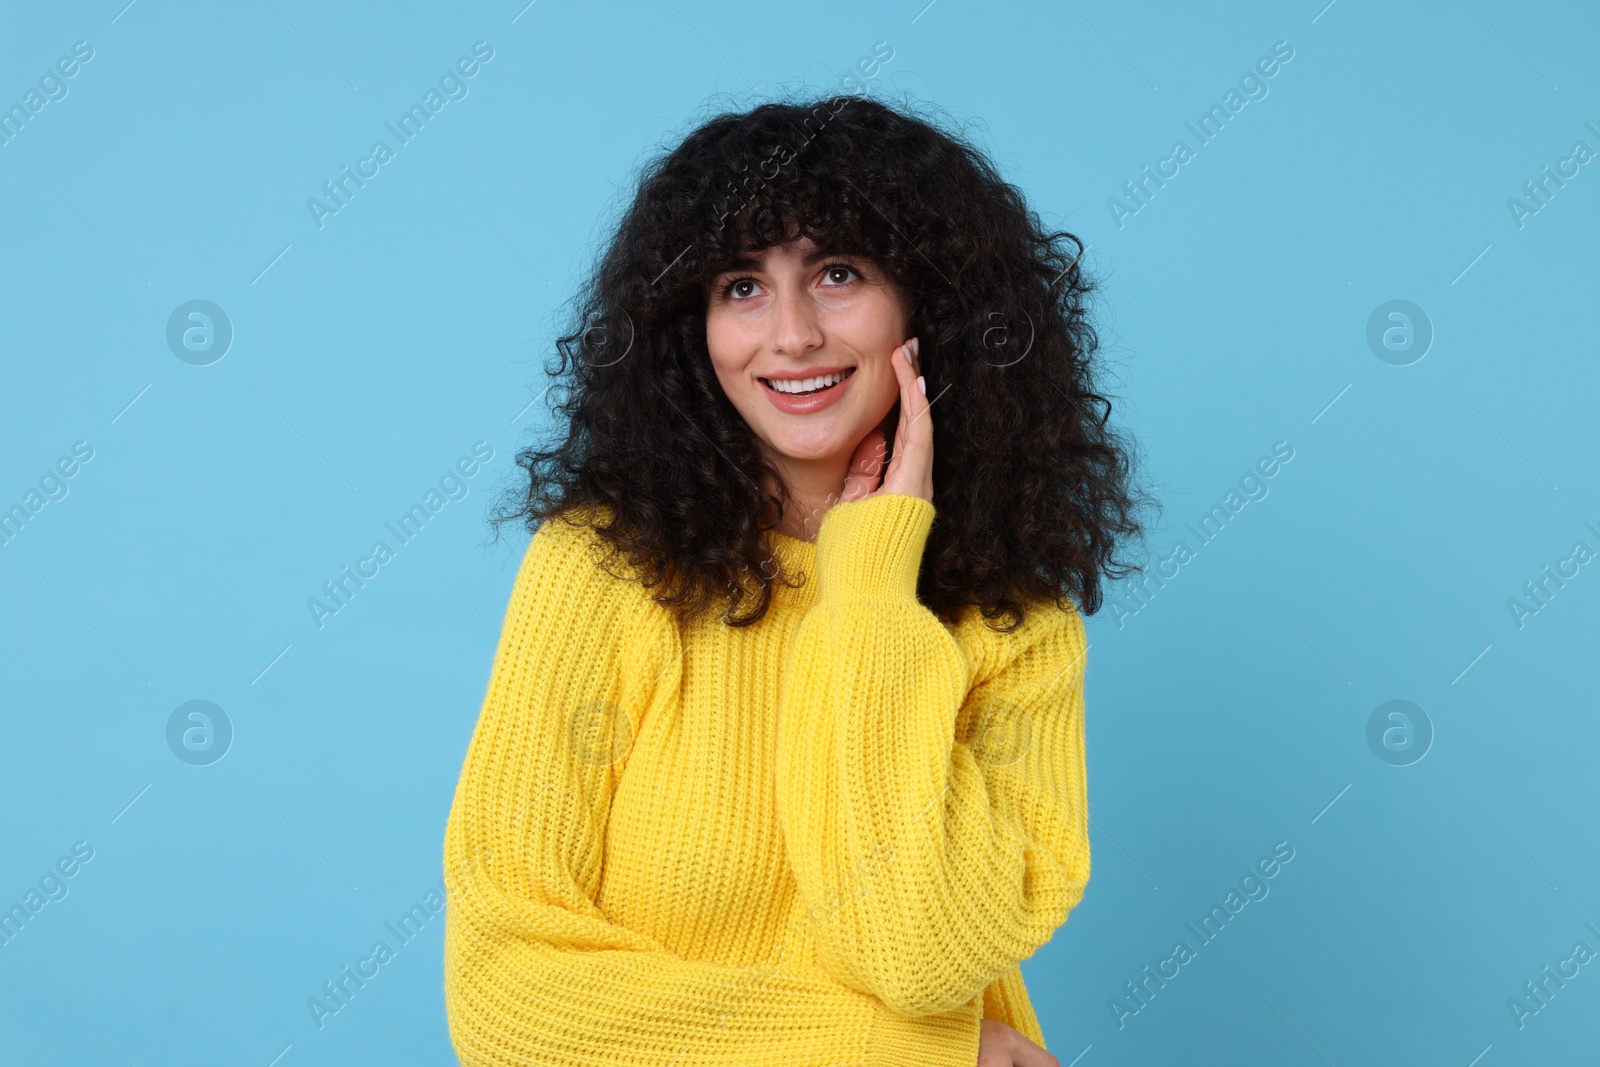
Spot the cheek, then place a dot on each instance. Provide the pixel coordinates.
(730, 359)
(876, 326)
(721, 343)
(727, 378)
(877, 389)
(889, 387)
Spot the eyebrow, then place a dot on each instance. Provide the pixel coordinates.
(751, 263)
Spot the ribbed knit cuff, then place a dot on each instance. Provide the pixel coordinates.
(872, 548)
(949, 1040)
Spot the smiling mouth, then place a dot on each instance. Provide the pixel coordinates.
(827, 383)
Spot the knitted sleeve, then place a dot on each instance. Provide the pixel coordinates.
(534, 972)
(955, 768)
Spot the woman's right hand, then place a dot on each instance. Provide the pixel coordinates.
(1001, 1046)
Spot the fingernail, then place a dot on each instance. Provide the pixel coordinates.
(916, 346)
(922, 384)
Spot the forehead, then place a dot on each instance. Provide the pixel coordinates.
(805, 251)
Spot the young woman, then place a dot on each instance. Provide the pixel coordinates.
(782, 755)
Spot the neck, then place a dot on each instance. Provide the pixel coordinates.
(814, 487)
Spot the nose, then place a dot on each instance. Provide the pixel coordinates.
(795, 326)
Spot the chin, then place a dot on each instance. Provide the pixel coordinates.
(810, 449)
(804, 454)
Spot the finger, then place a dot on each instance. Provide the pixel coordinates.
(916, 424)
(906, 375)
(921, 402)
(902, 427)
(1025, 1053)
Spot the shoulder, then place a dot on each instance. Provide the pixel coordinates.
(568, 579)
(568, 555)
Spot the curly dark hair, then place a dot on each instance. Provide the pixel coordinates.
(1032, 488)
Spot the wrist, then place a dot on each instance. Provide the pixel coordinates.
(873, 547)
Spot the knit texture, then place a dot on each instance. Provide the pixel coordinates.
(825, 840)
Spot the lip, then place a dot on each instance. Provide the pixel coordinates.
(804, 405)
(809, 372)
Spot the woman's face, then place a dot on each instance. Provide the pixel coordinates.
(790, 313)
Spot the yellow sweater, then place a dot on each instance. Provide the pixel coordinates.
(827, 839)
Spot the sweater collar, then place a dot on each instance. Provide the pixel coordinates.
(794, 555)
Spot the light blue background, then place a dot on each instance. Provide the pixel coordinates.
(1230, 713)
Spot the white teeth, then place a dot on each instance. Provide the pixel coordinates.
(803, 385)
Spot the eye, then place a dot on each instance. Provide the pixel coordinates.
(831, 273)
(735, 289)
